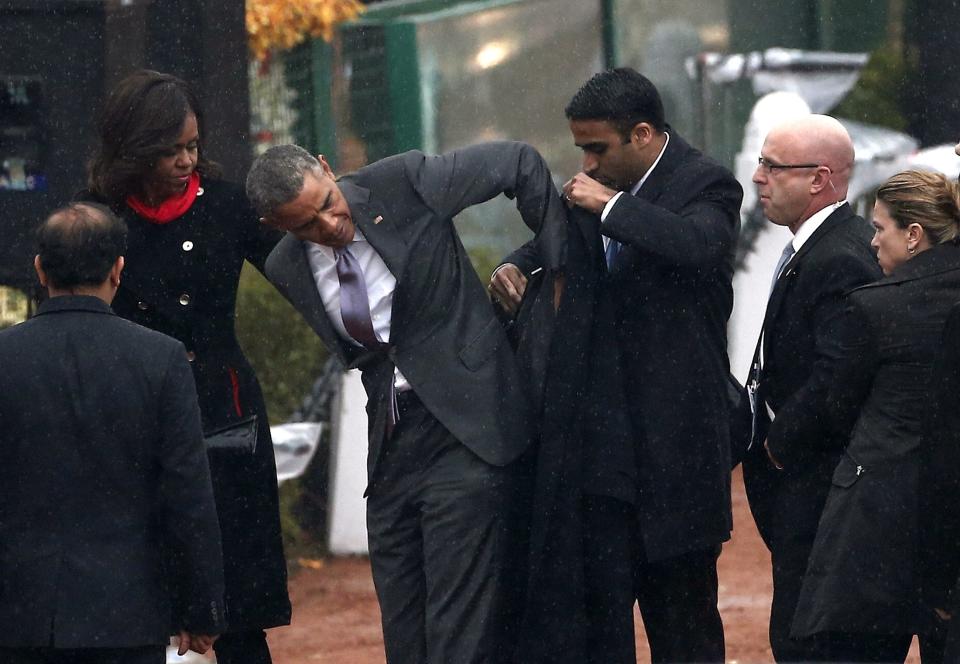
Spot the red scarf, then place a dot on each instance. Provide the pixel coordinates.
(170, 209)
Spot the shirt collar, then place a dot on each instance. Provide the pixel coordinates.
(810, 226)
(646, 175)
(324, 250)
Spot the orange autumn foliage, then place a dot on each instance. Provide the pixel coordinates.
(278, 25)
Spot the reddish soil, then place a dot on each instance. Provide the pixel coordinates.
(336, 619)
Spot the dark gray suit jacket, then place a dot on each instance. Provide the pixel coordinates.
(108, 530)
(445, 336)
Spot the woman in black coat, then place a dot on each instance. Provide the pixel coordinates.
(863, 579)
(189, 234)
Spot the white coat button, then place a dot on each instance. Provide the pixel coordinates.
(142, 306)
(184, 299)
(188, 246)
(199, 191)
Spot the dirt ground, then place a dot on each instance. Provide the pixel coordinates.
(336, 620)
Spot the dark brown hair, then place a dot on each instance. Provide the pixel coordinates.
(141, 119)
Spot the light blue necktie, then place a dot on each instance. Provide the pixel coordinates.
(785, 257)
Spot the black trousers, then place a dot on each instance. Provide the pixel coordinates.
(139, 655)
(677, 597)
(249, 647)
(440, 523)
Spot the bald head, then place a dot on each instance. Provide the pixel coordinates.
(819, 139)
(806, 166)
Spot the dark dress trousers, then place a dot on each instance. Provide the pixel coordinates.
(108, 530)
(442, 486)
(670, 294)
(181, 278)
(865, 569)
(801, 338)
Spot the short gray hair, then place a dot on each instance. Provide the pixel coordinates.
(276, 177)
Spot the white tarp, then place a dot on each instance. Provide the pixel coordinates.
(294, 446)
(347, 528)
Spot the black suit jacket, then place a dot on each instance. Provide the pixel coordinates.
(671, 294)
(444, 335)
(102, 471)
(801, 336)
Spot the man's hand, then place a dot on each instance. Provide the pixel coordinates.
(507, 286)
(773, 459)
(586, 192)
(198, 643)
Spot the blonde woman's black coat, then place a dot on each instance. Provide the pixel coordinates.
(865, 567)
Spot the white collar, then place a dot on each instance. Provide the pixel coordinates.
(324, 250)
(813, 222)
(636, 187)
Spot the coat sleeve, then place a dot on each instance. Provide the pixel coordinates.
(187, 511)
(856, 367)
(452, 182)
(940, 476)
(700, 232)
(258, 239)
(806, 417)
(526, 258)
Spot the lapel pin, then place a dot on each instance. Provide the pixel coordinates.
(378, 219)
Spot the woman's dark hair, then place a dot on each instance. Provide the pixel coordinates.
(79, 243)
(141, 119)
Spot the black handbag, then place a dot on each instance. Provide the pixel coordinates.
(239, 437)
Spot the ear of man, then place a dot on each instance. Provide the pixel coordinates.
(641, 134)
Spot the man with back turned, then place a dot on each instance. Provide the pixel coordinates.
(108, 529)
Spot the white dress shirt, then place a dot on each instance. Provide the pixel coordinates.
(380, 284)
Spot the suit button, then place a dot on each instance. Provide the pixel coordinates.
(188, 246)
(142, 306)
(191, 356)
(184, 299)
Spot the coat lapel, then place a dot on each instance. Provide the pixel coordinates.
(381, 231)
(672, 157)
(839, 216)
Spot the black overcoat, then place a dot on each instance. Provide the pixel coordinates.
(181, 278)
(107, 522)
(864, 572)
(668, 295)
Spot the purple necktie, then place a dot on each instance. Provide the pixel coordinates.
(354, 302)
(355, 312)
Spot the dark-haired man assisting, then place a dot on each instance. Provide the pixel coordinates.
(669, 221)
(107, 523)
